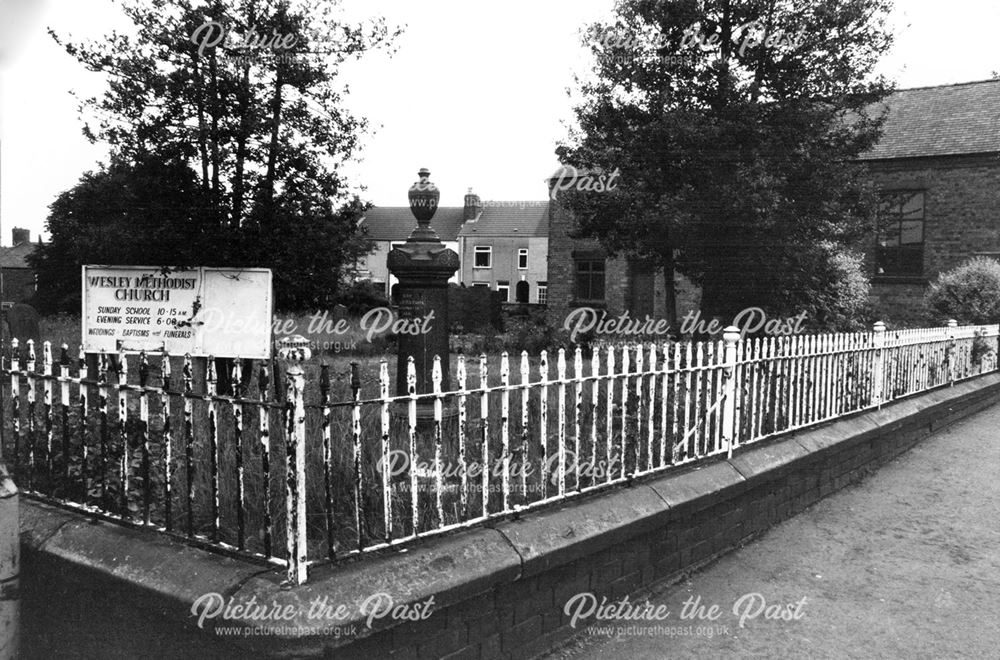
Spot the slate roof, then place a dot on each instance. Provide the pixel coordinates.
(528, 218)
(941, 121)
(394, 223)
(14, 257)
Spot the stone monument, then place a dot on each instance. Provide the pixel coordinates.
(423, 266)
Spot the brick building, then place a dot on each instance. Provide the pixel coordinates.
(938, 168)
(581, 274)
(505, 247)
(502, 246)
(389, 226)
(17, 280)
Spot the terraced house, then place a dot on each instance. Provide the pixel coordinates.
(505, 247)
(502, 246)
(389, 226)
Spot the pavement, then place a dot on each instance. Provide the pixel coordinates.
(905, 564)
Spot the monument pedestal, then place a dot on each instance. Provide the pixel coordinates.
(423, 265)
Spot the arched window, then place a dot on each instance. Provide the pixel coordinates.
(521, 291)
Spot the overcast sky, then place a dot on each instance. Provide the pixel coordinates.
(475, 92)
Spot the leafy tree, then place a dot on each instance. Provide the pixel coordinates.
(245, 94)
(148, 213)
(732, 126)
(968, 293)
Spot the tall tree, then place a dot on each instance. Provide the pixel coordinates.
(246, 93)
(147, 213)
(732, 124)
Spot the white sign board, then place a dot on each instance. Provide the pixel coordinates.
(225, 312)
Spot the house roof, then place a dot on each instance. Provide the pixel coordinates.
(940, 121)
(394, 223)
(15, 257)
(528, 218)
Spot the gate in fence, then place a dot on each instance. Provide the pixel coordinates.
(318, 461)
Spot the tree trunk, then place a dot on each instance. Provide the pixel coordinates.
(241, 146)
(758, 77)
(216, 103)
(272, 153)
(202, 129)
(725, 52)
(670, 292)
(720, 300)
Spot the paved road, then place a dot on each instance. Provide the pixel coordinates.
(904, 565)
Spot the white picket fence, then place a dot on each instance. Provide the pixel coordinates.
(364, 473)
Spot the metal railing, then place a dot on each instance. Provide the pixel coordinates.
(306, 468)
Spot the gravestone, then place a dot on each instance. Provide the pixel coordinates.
(23, 324)
(475, 309)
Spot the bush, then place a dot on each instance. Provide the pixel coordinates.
(526, 334)
(844, 305)
(981, 347)
(361, 296)
(969, 293)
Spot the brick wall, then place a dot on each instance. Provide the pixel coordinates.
(625, 288)
(18, 284)
(499, 591)
(961, 218)
(525, 618)
(899, 303)
(562, 289)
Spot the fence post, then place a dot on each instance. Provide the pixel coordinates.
(730, 336)
(15, 399)
(9, 583)
(952, 324)
(879, 376)
(295, 477)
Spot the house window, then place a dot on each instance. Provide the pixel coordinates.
(481, 285)
(543, 292)
(590, 280)
(503, 288)
(900, 248)
(483, 257)
(522, 259)
(522, 291)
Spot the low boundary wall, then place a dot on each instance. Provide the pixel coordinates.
(500, 591)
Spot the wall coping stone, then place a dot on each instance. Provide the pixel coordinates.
(859, 429)
(699, 488)
(776, 457)
(548, 538)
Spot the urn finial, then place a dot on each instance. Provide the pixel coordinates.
(424, 197)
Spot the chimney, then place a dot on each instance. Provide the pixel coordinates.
(20, 236)
(473, 206)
